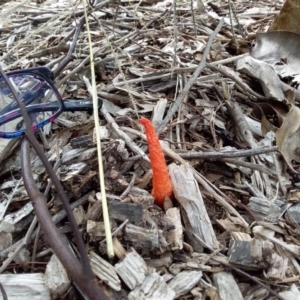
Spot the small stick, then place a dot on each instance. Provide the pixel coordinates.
(130, 186)
(227, 154)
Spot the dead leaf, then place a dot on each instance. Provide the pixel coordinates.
(267, 126)
(271, 116)
(288, 137)
(288, 18)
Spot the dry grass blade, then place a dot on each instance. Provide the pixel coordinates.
(110, 250)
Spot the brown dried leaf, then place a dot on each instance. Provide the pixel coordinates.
(288, 18)
(266, 126)
(276, 111)
(288, 137)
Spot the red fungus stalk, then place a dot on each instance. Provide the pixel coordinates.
(161, 183)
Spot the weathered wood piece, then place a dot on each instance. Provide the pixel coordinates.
(263, 234)
(5, 240)
(78, 214)
(13, 221)
(278, 266)
(69, 153)
(22, 257)
(240, 253)
(183, 282)
(96, 230)
(94, 211)
(159, 111)
(231, 225)
(165, 260)
(133, 212)
(174, 237)
(88, 154)
(194, 212)
(227, 286)
(105, 271)
(7, 147)
(277, 258)
(29, 286)
(141, 237)
(264, 210)
(132, 269)
(293, 213)
(153, 287)
(119, 250)
(176, 268)
(144, 283)
(251, 254)
(56, 277)
(68, 172)
(264, 73)
(292, 294)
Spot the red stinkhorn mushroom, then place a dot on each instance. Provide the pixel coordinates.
(161, 183)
